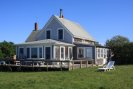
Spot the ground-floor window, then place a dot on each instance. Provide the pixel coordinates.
(102, 52)
(21, 52)
(34, 52)
(88, 51)
(62, 52)
(81, 52)
(85, 52)
(70, 53)
(66, 52)
(28, 52)
(47, 53)
(40, 52)
(57, 52)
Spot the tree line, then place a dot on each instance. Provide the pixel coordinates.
(122, 49)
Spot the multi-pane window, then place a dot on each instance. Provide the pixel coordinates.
(48, 33)
(60, 34)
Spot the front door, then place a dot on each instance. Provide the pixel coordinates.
(47, 53)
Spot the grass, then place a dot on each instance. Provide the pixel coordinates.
(88, 78)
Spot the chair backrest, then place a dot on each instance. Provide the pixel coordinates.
(110, 64)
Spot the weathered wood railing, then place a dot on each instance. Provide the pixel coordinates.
(47, 64)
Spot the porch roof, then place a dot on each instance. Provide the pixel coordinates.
(46, 41)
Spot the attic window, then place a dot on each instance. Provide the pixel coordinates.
(60, 34)
(48, 34)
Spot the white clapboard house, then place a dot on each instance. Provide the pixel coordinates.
(61, 39)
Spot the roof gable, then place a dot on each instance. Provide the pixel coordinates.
(75, 29)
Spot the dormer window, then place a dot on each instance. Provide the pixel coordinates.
(60, 34)
(48, 33)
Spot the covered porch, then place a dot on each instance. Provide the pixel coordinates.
(44, 50)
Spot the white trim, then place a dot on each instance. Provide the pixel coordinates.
(58, 33)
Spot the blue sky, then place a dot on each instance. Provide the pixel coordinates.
(103, 19)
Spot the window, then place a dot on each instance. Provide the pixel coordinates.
(21, 53)
(48, 34)
(101, 52)
(88, 52)
(62, 52)
(105, 53)
(34, 52)
(57, 52)
(40, 52)
(81, 53)
(66, 52)
(28, 52)
(70, 53)
(60, 34)
(98, 52)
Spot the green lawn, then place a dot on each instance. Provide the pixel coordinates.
(88, 78)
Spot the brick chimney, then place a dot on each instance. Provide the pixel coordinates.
(36, 26)
(61, 13)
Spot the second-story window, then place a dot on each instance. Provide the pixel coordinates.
(48, 33)
(60, 34)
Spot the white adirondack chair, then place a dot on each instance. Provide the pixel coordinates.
(107, 67)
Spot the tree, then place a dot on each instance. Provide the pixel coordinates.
(117, 41)
(1, 55)
(7, 49)
(122, 49)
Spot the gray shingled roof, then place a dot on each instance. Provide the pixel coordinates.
(46, 41)
(75, 29)
(33, 36)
